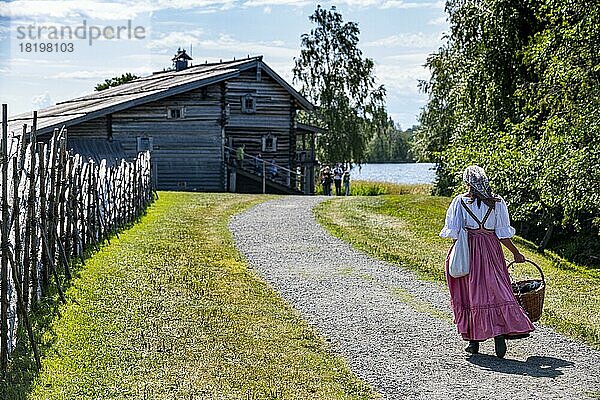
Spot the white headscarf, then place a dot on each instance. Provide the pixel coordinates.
(479, 185)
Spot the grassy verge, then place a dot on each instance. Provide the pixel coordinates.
(372, 188)
(171, 311)
(404, 230)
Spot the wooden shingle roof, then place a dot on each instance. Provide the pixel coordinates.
(143, 90)
(98, 150)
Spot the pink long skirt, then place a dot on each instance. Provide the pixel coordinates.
(483, 302)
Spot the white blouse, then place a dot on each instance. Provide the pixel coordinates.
(457, 218)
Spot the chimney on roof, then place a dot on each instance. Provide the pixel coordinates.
(180, 61)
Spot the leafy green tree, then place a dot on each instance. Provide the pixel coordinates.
(561, 104)
(391, 144)
(116, 81)
(335, 76)
(516, 89)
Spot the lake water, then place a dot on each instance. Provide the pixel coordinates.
(411, 173)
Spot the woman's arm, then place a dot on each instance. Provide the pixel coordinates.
(453, 221)
(519, 258)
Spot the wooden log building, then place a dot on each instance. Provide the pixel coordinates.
(191, 118)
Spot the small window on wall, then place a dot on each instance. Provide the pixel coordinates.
(144, 143)
(175, 113)
(248, 104)
(269, 143)
(204, 93)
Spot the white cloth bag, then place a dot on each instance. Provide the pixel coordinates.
(459, 256)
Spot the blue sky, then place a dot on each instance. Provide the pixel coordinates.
(397, 34)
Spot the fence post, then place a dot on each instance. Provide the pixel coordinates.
(23, 309)
(82, 200)
(31, 226)
(134, 189)
(4, 244)
(69, 220)
(16, 216)
(49, 226)
(62, 204)
(92, 205)
(41, 148)
(264, 176)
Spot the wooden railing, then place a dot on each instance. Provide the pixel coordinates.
(266, 169)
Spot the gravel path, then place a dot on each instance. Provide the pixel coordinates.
(394, 330)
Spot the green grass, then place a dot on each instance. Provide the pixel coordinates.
(171, 311)
(372, 188)
(403, 229)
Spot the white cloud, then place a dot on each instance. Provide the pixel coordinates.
(283, 69)
(129, 9)
(41, 101)
(267, 10)
(167, 43)
(34, 68)
(409, 40)
(406, 4)
(264, 3)
(191, 4)
(71, 8)
(223, 44)
(361, 3)
(439, 21)
(37, 62)
(352, 3)
(85, 74)
(409, 58)
(104, 10)
(100, 74)
(272, 49)
(401, 79)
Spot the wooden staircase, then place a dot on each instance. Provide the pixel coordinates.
(250, 182)
(246, 178)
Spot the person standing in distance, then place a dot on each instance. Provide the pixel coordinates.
(337, 179)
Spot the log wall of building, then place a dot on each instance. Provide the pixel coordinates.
(274, 110)
(186, 152)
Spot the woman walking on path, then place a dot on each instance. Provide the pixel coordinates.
(483, 302)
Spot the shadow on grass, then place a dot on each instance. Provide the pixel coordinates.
(22, 371)
(539, 367)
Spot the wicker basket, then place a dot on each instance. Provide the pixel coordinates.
(533, 301)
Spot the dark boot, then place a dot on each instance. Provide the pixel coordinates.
(500, 346)
(517, 336)
(473, 347)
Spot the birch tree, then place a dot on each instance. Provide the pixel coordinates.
(336, 77)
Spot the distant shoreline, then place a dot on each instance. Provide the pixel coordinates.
(402, 173)
(396, 162)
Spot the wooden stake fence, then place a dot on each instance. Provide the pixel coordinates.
(54, 206)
